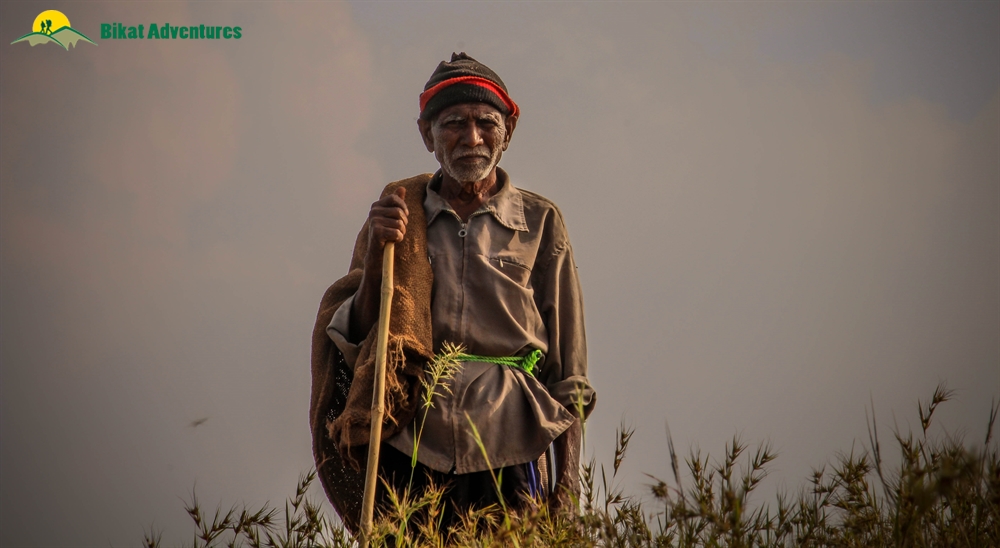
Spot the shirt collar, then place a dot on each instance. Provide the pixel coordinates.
(506, 205)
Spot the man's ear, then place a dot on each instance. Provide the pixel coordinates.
(509, 123)
(425, 133)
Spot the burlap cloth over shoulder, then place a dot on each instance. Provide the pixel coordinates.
(340, 406)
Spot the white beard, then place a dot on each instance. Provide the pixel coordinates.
(470, 173)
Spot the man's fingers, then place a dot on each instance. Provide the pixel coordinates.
(383, 234)
(387, 230)
(394, 222)
(387, 219)
(393, 200)
(379, 212)
(389, 224)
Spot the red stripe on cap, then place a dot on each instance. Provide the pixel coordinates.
(426, 96)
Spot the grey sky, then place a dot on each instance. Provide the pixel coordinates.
(779, 211)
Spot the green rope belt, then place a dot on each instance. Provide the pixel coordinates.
(524, 363)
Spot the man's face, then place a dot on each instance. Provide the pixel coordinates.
(467, 139)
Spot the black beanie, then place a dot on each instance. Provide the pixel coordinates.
(464, 80)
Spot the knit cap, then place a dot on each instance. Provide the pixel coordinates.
(464, 80)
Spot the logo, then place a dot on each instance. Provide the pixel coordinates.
(53, 26)
(166, 31)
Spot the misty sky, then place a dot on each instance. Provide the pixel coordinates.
(780, 213)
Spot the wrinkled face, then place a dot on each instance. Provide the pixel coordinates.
(468, 140)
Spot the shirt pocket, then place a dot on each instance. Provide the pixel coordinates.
(512, 267)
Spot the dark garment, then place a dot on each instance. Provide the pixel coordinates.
(341, 399)
(518, 485)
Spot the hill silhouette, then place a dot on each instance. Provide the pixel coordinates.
(65, 37)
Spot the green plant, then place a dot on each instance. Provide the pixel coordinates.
(941, 493)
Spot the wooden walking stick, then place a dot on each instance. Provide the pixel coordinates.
(378, 395)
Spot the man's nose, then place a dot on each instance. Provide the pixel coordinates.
(472, 136)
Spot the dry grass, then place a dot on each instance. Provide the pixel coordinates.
(942, 494)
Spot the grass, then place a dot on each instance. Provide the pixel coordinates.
(940, 494)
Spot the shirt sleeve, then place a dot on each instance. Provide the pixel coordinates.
(561, 305)
(339, 331)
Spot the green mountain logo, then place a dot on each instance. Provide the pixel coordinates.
(42, 32)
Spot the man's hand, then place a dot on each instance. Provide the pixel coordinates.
(567, 492)
(386, 223)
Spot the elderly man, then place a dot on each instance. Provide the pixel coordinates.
(480, 264)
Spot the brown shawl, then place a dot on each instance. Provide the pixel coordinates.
(340, 406)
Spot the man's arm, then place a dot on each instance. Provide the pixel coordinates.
(386, 223)
(565, 370)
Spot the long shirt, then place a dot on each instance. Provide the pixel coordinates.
(505, 283)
